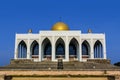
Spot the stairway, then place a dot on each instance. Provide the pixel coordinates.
(60, 65)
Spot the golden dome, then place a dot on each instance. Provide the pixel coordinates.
(60, 26)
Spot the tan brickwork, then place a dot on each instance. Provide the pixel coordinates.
(22, 72)
(51, 72)
(116, 74)
(31, 78)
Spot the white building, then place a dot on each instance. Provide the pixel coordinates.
(60, 42)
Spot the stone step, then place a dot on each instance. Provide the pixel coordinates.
(73, 65)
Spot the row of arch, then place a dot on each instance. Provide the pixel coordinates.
(46, 49)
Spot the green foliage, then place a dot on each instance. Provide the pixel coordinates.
(117, 64)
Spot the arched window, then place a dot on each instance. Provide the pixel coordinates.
(73, 48)
(85, 49)
(98, 50)
(60, 48)
(35, 49)
(47, 49)
(22, 50)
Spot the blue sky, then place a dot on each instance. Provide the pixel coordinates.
(17, 16)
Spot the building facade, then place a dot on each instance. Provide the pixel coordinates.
(60, 42)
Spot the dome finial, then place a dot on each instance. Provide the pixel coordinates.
(30, 31)
(89, 31)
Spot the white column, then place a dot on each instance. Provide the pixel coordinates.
(16, 50)
(40, 56)
(91, 50)
(66, 49)
(28, 49)
(80, 50)
(104, 49)
(53, 48)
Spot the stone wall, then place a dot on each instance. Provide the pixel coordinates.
(21, 61)
(112, 75)
(117, 77)
(103, 61)
(59, 78)
(1, 77)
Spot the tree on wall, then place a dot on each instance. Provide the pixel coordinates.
(117, 64)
